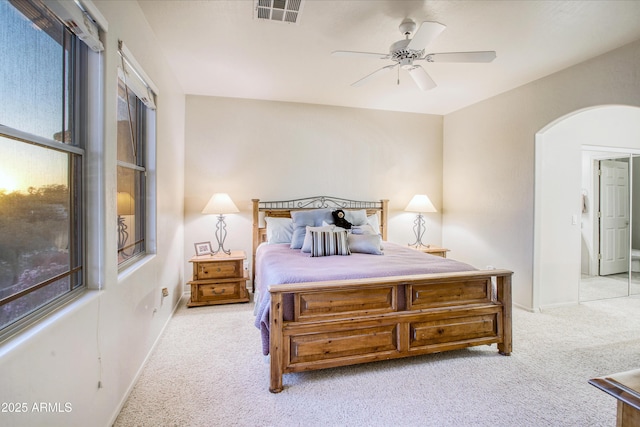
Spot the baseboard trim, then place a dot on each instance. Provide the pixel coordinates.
(120, 405)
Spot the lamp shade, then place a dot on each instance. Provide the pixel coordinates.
(421, 204)
(126, 204)
(220, 203)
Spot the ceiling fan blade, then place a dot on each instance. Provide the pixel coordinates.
(382, 70)
(420, 76)
(484, 56)
(427, 32)
(368, 54)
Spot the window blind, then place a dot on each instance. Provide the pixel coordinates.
(135, 78)
(79, 21)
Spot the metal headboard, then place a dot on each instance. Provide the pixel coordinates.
(283, 208)
(320, 202)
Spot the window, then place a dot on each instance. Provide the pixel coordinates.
(135, 119)
(43, 80)
(40, 218)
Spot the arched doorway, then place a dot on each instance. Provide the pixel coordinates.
(557, 194)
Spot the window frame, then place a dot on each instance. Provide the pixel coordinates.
(79, 74)
(138, 84)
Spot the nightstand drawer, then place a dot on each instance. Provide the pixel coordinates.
(217, 291)
(219, 269)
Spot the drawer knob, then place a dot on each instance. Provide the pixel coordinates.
(218, 293)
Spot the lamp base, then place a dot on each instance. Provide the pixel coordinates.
(418, 245)
(123, 235)
(418, 230)
(221, 250)
(221, 235)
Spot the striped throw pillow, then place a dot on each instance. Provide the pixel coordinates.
(326, 243)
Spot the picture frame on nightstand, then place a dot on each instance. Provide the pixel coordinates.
(203, 248)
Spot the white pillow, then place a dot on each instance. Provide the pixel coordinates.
(279, 230)
(304, 218)
(358, 217)
(374, 222)
(365, 244)
(363, 229)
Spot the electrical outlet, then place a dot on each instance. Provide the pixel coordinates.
(165, 292)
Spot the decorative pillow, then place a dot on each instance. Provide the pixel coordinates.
(365, 243)
(358, 217)
(279, 230)
(307, 218)
(326, 243)
(306, 245)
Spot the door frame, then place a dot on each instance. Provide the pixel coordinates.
(596, 155)
(555, 282)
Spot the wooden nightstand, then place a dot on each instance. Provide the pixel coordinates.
(433, 250)
(218, 279)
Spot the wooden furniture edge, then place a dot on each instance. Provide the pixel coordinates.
(619, 386)
(375, 281)
(503, 303)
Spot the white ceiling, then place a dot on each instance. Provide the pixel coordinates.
(218, 48)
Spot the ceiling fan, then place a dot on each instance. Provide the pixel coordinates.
(405, 52)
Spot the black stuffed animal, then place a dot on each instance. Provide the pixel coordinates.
(340, 220)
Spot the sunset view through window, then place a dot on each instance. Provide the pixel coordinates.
(40, 160)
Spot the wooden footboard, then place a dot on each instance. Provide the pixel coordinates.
(339, 323)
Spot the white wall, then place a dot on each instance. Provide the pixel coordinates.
(279, 151)
(488, 181)
(107, 335)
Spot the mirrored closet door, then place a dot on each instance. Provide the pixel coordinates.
(634, 276)
(610, 231)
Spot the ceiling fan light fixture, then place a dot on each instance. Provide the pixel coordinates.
(407, 64)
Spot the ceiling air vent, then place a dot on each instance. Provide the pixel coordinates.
(279, 10)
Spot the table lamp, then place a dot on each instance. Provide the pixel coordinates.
(420, 204)
(220, 204)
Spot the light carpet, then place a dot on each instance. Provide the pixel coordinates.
(208, 370)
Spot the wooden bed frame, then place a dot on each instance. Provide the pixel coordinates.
(346, 322)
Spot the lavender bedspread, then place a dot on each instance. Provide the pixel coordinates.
(278, 264)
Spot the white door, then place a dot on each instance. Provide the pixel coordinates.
(614, 217)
